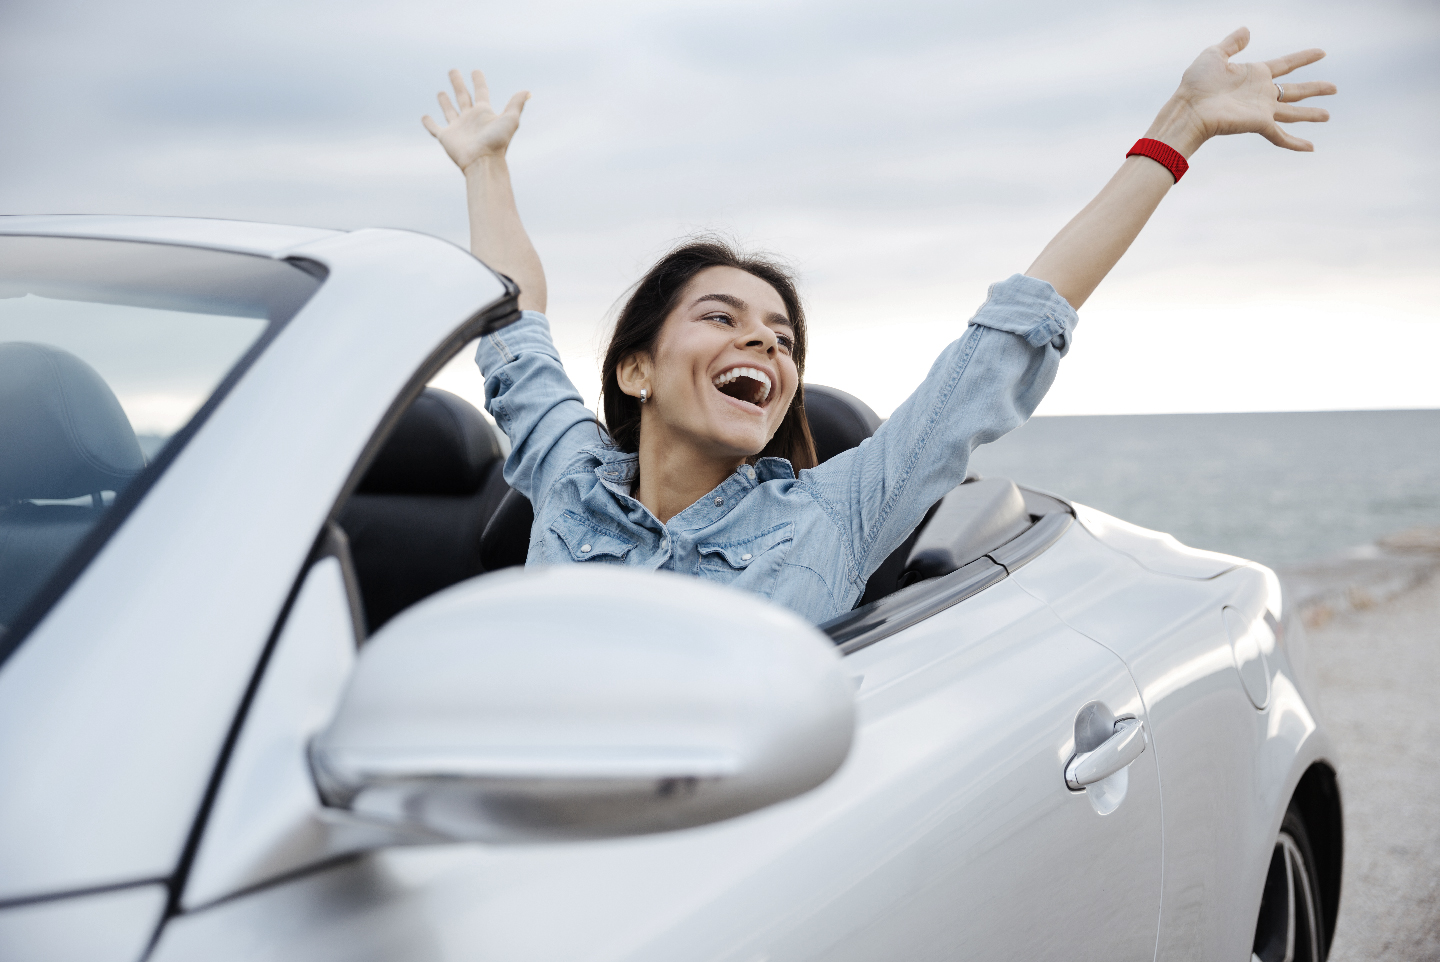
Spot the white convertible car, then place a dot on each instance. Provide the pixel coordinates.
(272, 685)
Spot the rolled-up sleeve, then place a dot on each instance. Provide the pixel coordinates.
(982, 386)
(1030, 308)
(532, 399)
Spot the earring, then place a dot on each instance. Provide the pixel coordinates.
(644, 395)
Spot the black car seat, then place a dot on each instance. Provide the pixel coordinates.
(63, 436)
(838, 422)
(506, 540)
(415, 520)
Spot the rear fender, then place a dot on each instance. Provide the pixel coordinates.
(1223, 762)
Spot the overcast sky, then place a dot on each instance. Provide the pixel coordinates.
(901, 155)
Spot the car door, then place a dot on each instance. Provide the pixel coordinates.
(971, 845)
(1164, 608)
(949, 833)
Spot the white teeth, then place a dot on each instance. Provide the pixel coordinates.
(750, 372)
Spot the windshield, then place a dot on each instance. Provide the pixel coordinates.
(108, 351)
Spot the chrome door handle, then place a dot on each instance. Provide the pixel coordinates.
(1119, 750)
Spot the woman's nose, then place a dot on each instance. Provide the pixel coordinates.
(764, 338)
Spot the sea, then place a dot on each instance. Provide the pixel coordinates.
(1275, 488)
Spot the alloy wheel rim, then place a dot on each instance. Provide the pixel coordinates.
(1288, 929)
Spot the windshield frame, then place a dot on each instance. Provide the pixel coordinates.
(35, 609)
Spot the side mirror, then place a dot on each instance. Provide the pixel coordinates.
(580, 702)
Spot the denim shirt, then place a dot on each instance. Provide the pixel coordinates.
(808, 542)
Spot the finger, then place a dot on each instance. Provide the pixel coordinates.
(1236, 42)
(482, 89)
(517, 103)
(431, 125)
(1281, 138)
(451, 114)
(1280, 66)
(1313, 88)
(462, 94)
(1289, 114)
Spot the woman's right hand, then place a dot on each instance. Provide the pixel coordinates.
(475, 130)
(1218, 97)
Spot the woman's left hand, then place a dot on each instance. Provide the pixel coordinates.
(1217, 97)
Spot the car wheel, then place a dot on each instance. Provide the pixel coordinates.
(1289, 928)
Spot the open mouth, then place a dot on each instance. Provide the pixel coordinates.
(747, 384)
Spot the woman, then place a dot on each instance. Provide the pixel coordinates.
(705, 425)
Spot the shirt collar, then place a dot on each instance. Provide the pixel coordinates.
(774, 469)
(618, 469)
(623, 466)
(729, 493)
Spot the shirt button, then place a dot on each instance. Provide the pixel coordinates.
(749, 472)
(719, 502)
(744, 557)
(584, 547)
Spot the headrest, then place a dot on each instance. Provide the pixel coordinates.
(442, 445)
(62, 432)
(838, 421)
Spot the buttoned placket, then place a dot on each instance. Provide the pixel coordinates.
(617, 474)
(718, 503)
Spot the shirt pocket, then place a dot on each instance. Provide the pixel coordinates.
(752, 563)
(589, 542)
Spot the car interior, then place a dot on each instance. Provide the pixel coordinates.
(66, 448)
(433, 509)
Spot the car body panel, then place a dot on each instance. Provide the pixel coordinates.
(110, 926)
(267, 819)
(244, 237)
(947, 825)
(1154, 550)
(113, 721)
(1223, 763)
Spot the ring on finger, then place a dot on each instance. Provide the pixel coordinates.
(1281, 89)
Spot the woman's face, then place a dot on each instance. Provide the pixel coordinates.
(721, 375)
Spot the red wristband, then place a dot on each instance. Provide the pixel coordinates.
(1163, 154)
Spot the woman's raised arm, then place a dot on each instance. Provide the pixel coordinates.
(1215, 97)
(476, 138)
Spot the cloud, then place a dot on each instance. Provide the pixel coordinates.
(903, 155)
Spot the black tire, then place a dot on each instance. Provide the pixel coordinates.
(1290, 926)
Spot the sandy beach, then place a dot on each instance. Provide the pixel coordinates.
(1378, 664)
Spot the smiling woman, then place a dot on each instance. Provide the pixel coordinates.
(696, 467)
(729, 367)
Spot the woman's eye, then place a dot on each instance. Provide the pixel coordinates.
(722, 318)
(787, 342)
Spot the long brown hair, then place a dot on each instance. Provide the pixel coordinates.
(638, 327)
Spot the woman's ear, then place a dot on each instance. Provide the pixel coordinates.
(633, 373)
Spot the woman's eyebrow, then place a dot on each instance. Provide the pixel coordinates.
(740, 305)
(730, 299)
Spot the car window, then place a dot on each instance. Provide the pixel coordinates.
(109, 353)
